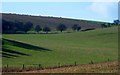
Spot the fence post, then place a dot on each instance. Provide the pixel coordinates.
(7, 67)
(108, 59)
(75, 63)
(39, 66)
(59, 65)
(23, 66)
(92, 62)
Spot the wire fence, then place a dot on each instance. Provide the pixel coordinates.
(33, 67)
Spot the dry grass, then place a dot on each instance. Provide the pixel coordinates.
(106, 67)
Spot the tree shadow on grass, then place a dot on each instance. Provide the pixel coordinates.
(24, 45)
(6, 56)
(7, 53)
(14, 52)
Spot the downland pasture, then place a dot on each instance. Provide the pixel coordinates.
(95, 46)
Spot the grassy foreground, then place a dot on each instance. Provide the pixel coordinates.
(65, 48)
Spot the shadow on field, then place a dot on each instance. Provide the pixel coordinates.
(24, 45)
(10, 53)
(14, 52)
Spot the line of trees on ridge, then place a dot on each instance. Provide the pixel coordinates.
(10, 27)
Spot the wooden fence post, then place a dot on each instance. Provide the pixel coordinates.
(75, 63)
(39, 66)
(23, 66)
(7, 67)
(92, 62)
(108, 59)
(59, 65)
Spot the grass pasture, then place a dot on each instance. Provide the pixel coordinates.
(65, 48)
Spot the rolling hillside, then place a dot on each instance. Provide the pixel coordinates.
(50, 49)
(51, 21)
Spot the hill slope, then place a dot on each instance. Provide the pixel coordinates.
(51, 21)
(65, 48)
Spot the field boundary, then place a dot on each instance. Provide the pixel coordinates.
(24, 68)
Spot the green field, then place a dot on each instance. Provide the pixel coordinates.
(64, 48)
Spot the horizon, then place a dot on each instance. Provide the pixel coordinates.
(108, 11)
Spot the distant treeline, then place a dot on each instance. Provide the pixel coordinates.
(14, 27)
